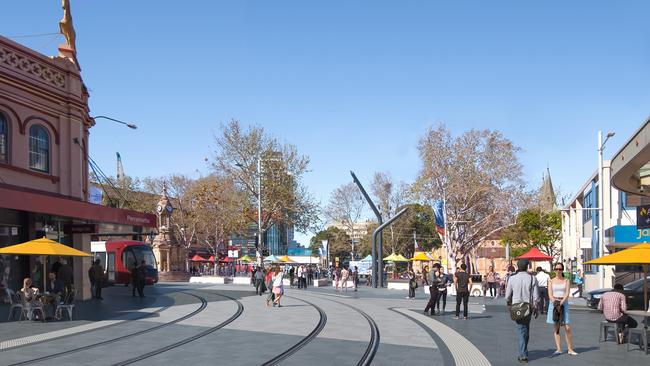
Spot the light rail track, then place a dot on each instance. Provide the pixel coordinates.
(202, 307)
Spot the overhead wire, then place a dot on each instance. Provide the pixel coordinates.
(32, 35)
(108, 180)
(99, 174)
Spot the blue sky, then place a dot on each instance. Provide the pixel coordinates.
(354, 84)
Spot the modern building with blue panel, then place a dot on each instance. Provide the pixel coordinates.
(581, 215)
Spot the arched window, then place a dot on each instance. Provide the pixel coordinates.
(4, 139)
(39, 149)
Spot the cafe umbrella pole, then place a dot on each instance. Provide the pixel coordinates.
(646, 305)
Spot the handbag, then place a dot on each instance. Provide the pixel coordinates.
(521, 310)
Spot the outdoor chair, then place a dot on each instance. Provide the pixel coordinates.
(31, 307)
(605, 327)
(67, 304)
(642, 334)
(16, 303)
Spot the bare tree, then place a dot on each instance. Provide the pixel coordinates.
(478, 176)
(389, 197)
(345, 207)
(285, 199)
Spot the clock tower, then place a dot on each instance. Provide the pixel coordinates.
(171, 256)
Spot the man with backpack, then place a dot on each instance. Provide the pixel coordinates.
(521, 296)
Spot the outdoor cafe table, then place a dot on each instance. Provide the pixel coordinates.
(641, 313)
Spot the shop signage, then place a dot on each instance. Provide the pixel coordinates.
(630, 234)
(80, 228)
(643, 217)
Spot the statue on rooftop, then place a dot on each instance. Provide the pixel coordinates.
(66, 27)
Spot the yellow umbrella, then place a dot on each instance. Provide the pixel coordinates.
(246, 258)
(43, 246)
(421, 256)
(285, 259)
(636, 255)
(396, 258)
(46, 247)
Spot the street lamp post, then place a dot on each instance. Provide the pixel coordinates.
(129, 125)
(259, 211)
(601, 201)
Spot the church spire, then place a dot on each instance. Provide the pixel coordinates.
(547, 194)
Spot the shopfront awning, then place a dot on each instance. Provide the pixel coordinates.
(630, 166)
(23, 199)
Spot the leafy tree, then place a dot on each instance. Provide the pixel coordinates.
(418, 220)
(535, 228)
(338, 242)
(478, 175)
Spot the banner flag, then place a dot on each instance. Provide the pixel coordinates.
(439, 212)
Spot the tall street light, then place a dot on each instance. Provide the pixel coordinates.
(601, 201)
(129, 125)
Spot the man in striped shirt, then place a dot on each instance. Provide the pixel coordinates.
(613, 305)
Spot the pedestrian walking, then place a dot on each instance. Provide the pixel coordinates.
(463, 282)
(292, 273)
(336, 274)
(433, 292)
(310, 276)
(492, 282)
(345, 276)
(302, 277)
(142, 278)
(278, 286)
(558, 311)
(442, 290)
(542, 284)
(91, 277)
(138, 278)
(269, 284)
(578, 279)
(98, 274)
(413, 284)
(299, 275)
(259, 281)
(135, 273)
(425, 276)
(355, 278)
(521, 295)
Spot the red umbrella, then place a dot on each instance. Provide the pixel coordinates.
(211, 259)
(535, 255)
(197, 258)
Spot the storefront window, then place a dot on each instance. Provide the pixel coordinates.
(39, 149)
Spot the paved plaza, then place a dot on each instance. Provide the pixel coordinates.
(230, 325)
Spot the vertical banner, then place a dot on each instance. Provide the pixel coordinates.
(439, 212)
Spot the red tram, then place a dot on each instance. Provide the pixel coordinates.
(118, 257)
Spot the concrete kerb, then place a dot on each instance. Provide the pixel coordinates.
(462, 350)
(213, 280)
